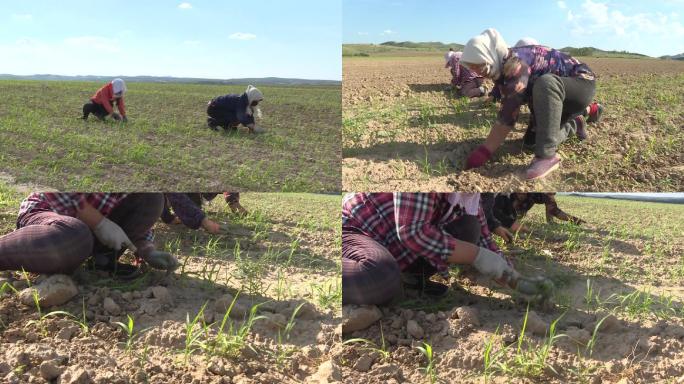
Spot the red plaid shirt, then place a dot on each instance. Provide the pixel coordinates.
(68, 204)
(409, 225)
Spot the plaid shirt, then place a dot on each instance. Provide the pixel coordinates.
(68, 204)
(409, 225)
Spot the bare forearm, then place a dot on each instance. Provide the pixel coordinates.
(464, 253)
(497, 135)
(89, 215)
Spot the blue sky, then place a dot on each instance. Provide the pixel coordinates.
(654, 28)
(194, 38)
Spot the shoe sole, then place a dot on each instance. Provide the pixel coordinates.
(553, 168)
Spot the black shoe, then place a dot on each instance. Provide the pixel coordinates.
(424, 286)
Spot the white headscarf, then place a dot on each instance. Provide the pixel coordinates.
(486, 48)
(253, 94)
(452, 55)
(118, 85)
(526, 41)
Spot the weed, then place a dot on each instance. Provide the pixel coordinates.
(131, 334)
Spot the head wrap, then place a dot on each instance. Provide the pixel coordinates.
(487, 48)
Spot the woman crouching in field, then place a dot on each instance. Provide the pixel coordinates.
(464, 81)
(57, 232)
(393, 241)
(229, 111)
(102, 103)
(561, 86)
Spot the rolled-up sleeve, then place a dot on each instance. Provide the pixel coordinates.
(188, 212)
(413, 214)
(487, 202)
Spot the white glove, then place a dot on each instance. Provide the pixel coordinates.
(492, 265)
(111, 235)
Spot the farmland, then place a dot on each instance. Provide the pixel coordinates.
(280, 263)
(617, 315)
(403, 131)
(166, 145)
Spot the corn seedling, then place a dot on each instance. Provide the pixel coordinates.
(129, 330)
(40, 323)
(230, 339)
(430, 369)
(192, 336)
(371, 346)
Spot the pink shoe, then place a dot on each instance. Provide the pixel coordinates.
(539, 167)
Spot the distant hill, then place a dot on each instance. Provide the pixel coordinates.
(671, 198)
(168, 79)
(407, 48)
(398, 48)
(675, 57)
(595, 52)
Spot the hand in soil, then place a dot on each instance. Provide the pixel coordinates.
(537, 288)
(161, 260)
(504, 233)
(214, 228)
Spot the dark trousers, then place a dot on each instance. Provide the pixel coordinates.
(221, 118)
(557, 101)
(53, 243)
(96, 109)
(371, 275)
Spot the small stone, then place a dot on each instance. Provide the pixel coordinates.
(50, 370)
(55, 290)
(356, 319)
(414, 330)
(19, 284)
(430, 317)
(110, 306)
(535, 324)
(609, 323)
(397, 323)
(364, 363)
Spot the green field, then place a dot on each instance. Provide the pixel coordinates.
(166, 144)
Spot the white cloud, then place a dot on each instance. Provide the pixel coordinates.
(387, 32)
(561, 4)
(98, 43)
(596, 18)
(185, 6)
(242, 36)
(22, 17)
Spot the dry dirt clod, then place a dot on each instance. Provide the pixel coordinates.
(276, 320)
(578, 336)
(535, 324)
(110, 306)
(55, 290)
(50, 370)
(364, 363)
(358, 318)
(467, 315)
(75, 375)
(222, 304)
(327, 372)
(161, 293)
(414, 330)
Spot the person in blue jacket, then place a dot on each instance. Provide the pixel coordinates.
(231, 110)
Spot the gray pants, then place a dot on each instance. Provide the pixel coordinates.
(557, 101)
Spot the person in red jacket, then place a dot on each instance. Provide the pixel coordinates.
(102, 103)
